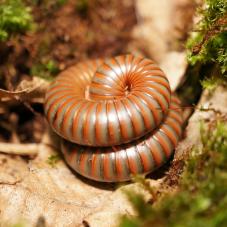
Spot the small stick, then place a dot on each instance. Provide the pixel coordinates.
(29, 149)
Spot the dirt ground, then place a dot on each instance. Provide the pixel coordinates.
(64, 34)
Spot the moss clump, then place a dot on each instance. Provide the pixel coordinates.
(49, 4)
(201, 199)
(82, 7)
(209, 43)
(207, 52)
(53, 160)
(211, 83)
(15, 18)
(46, 70)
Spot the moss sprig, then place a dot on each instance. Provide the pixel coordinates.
(208, 44)
(45, 70)
(15, 17)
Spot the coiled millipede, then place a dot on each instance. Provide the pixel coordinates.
(117, 117)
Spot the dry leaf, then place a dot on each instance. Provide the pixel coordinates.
(55, 193)
(58, 194)
(33, 90)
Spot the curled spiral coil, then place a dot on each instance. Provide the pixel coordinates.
(117, 117)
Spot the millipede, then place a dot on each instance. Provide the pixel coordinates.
(117, 117)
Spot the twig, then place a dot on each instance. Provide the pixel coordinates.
(29, 149)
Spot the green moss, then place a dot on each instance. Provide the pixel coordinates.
(209, 42)
(15, 18)
(49, 4)
(82, 7)
(211, 83)
(61, 2)
(53, 160)
(207, 52)
(201, 199)
(46, 70)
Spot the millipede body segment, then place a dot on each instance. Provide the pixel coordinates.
(117, 116)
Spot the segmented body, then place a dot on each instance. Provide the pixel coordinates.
(117, 117)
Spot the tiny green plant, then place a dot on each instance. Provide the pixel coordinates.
(211, 83)
(15, 18)
(49, 5)
(82, 7)
(208, 43)
(45, 70)
(53, 160)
